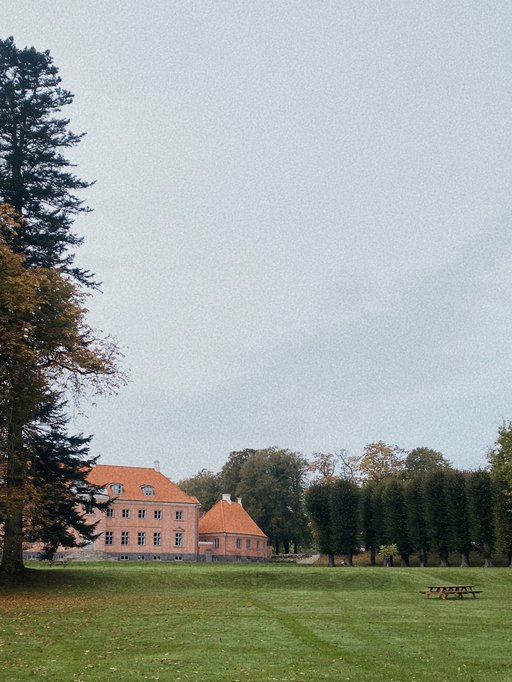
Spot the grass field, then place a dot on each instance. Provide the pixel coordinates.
(181, 622)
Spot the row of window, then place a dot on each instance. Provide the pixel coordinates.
(141, 538)
(142, 557)
(141, 514)
(216, 543)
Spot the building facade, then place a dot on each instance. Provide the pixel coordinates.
(228, 533)
(150, 518)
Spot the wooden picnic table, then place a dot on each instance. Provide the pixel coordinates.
(445, 591)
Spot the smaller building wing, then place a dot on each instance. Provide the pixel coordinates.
(229, 517)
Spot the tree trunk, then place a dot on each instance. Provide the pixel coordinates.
(330, 560)
(464, 559)
(509, 555)
(423, 556)
(286, 546)
(12, 557)
(404, 561)
(487, 555)
(348, 559)
(443, 559)
(373, 556)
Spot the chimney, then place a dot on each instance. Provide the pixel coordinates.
(239, 500)
(157, 465)
(226, 497)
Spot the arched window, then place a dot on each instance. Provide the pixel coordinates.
(148, 490)
(117, 488)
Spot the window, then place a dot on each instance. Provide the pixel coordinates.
(157, 538)
(141, 557)
(125, 513)
(216, 543)
(142, 513)
(141, 537)
(178, 539)
(116, 488)
(89, 508)
(110, 513)
(124, 557)
(179, 515)
(157, 557)
(109, 538)
(248, 544)
(178, 557)
(239, 543)
(157, 514)
(148, 490)
(125, 537)
(257, 544)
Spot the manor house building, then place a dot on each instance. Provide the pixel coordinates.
(150, 517)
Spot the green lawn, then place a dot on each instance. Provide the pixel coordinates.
(178, 622)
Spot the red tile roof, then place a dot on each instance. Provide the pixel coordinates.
(229, 517)
(133, 478)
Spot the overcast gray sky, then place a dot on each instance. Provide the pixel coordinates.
(302, 220)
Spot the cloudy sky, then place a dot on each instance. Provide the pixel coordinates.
(302, 220)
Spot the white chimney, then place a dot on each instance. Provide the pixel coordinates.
(157, 465)
(226, 497)
(239, 500)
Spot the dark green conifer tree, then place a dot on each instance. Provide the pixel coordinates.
(480, 505)
(457, 505)
(344, 509)
(37, 180)
(502, 512)
(318, 506)
(437, 516)
(416, 519)
(395, 518)
(371, 519)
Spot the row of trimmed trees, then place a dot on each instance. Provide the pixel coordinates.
(439, 513)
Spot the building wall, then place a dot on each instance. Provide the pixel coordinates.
(234, 547)
(170, 533)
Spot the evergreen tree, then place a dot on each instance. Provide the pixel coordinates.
(318, 506)
(395, 518)
(416, 520)
(480, 505)
(371, 519)
(35, 176)
(457, 505)
(502, 513)
(436, 513)
(58, 469)
(37, 181)
(344, 508)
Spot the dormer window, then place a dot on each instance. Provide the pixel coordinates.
(116, 488)
(148, 490)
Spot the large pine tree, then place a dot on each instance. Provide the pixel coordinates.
(37, 181)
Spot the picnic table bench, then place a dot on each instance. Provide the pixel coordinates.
(445, 591)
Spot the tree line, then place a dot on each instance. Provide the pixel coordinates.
(385, 501)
